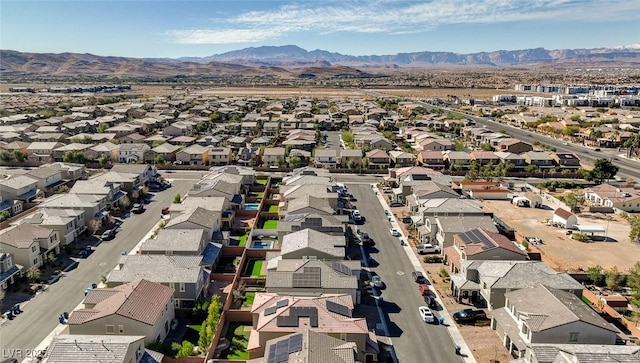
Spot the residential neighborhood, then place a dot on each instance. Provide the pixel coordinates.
(215, 228)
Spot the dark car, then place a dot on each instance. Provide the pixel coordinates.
(396, 204)
(108, 235)
(407, 220)
(418, 277)
(469, 315)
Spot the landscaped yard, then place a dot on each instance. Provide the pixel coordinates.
(238, 335)
(248, 298)
(257, 194)
(270, 224)
(254, 268)
(273, 209)
(192, 334)
(243, 239)
(261, 181)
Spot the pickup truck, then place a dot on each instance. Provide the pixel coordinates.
(427, 248)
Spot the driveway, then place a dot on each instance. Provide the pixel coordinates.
(40, 315)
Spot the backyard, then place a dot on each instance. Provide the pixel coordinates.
(192, 334)
(261, 181)
(248, 298)
(257, 194)
(238, 335)
(242, 240)
(254, 268)
(270, 224)
(273, 209)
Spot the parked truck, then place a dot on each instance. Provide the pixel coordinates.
(427, 249)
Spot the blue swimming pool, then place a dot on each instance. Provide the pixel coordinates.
(251, 206)
(261, 245)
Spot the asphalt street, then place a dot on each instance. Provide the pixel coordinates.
(21, 335)
(413, 340)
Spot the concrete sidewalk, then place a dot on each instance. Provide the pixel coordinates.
(451, 327)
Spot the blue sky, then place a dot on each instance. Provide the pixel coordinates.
(200, 28)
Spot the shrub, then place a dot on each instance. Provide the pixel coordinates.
(443, 272)
(186, 349)
(432, 259)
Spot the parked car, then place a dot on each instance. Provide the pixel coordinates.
(426, 315)
(137, 208)
(418, 277)
(165, 210)
(108, 235)
(407, 220)
(395, 204)
(386, 190)
(427, 248)
(469, 315)
(423, 289)
(394, 232)
(376, 282)
(366, 240)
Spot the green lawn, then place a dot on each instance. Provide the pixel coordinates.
(270, 224)
(257, 194)
(261, 181)
(248, 298)
(243, 239)
(239, 339)
(257, 268)
(193, 334)
(273, 209)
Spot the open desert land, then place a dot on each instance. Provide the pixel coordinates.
(566, 253)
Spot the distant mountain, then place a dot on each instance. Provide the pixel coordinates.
(294, 62)
(288, 53)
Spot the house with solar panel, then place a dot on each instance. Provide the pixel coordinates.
(308, 346)
(65, 348)
(309, 242)
(289, 319)
(140, 307)
(333, 225)
(310, 275)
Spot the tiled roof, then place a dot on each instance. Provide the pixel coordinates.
(158, 268)
(140, 300)
(188, 240)
(23, 235)
(79, 348)
(309, 238)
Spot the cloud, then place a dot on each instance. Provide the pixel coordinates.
(395, 17)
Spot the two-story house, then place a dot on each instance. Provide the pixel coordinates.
(378, 159)
(106, 150)
(538, 158)
(220, 156)
(272, 156)
(20, 187)
(132, 153)
(566, 160)
(193, 155)
(69, 223)
(515, 146)
(140, 307)
(29, 244)
(49, 179)
(350, 157)
(457, 160)
(165, 152)
(8, 270)
(327, 158)
(42, 151)
(542, 314)
(401, 158)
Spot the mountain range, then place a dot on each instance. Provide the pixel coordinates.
(291, 61)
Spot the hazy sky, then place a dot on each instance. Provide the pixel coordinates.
(200, 28)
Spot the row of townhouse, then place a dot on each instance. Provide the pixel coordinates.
(462, 160)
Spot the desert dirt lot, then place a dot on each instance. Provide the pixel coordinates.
(567, 253)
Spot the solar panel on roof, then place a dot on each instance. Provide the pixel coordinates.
(338, 308)
(341, 268)
(271, 357)
(282, 303)
(270, 311)
(295, 343)
(287, 321)
(310, 277)
(282, 356)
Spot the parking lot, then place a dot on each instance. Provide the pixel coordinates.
(567, 253)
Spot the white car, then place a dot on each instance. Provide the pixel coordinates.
(426, 315)
(394, 232)
(376, 281)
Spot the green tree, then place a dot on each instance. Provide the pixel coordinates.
(159, 159)
(73, 157)
(365, 163)
(576, 118)
(102, 128)
(530, 168)
(634, 223)
(210, 324)
(51, 258)
(186, 349)
(4, 215)
(458, 145)
(18, 156)
(33, 274)
(574, 199)
(103, 159)
(177, 199)
(485, 146)
(596, 275)
(6, 156)
(352, 165)
(633, 282)
(471, 175)
(602, 171)
(570, 130)
(294, 162)
(157, 143)
(614, 278)
(124, 202)
(389, 135)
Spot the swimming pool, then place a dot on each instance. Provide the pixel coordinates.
(251, 206)
(261, 245)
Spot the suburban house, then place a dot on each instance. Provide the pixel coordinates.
(431, 159)
(484, 157)
(378, 159)
(94, 207)
(435, 145)
(8, 270)
(69, 223)
(566, 160)
(457, 160)
(350, 157)
(308, 242)
(145, 173)
(183, 242)
(485, 282)
(556, 317)
(580, 353)
(306, 204)
(401, 158)
(326, 158)
(106, 150)
(193, 155)
(272, 156)
(480, 244)
(538, 158)
(165, 152)
(132, 153)
(220, 156)
(295, 276)
(279, 315)
(197, 218)
(429, 211)
(313, 347)
(333, 225)
(184, 274)
(19, 187)
(514, 146)
(140, 307)
(516, 160)
(447, 226)
(49, 179)
(29, 244)
(42, 151)
(66, 348)
(607, 195)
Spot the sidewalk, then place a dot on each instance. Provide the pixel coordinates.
(451, 327)
(63, 328)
